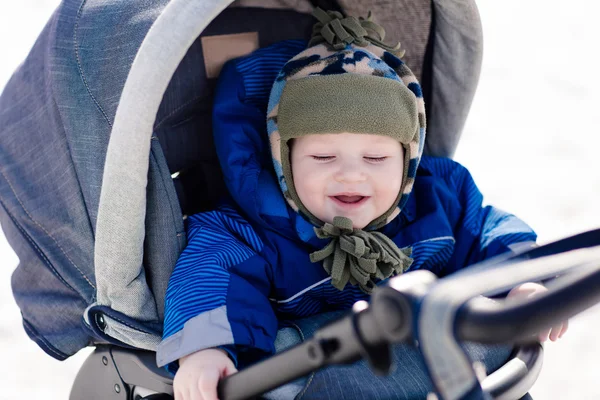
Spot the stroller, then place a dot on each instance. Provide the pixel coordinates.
(119, 120)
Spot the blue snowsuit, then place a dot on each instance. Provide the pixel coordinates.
(246, 268)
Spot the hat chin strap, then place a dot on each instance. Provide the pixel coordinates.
(358, 256)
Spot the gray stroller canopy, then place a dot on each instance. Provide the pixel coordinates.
(106, 143)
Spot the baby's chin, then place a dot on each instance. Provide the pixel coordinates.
(359, 222)
(360, 215)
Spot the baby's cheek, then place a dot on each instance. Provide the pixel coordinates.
(388, 190)
(310, 192)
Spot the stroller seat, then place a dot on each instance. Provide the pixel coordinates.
(72, 101)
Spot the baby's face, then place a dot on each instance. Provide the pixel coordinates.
(357, 176)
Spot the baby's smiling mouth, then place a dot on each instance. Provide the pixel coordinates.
(349, 200)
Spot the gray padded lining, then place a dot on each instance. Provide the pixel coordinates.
(405, 21)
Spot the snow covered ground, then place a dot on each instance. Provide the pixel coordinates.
(531, 142)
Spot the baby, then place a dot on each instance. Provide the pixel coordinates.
(357, 204)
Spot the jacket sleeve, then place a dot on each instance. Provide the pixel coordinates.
(482, 231)
(218, 292)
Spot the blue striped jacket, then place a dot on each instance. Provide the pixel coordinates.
(246, 268)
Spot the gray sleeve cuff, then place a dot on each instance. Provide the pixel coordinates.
(522, 246)
(207, 330)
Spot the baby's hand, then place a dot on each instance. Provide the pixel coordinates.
(199, 374)
(531, 289)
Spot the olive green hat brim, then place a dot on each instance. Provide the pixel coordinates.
(350, 103)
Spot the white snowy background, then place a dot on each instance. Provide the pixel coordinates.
(532, 143)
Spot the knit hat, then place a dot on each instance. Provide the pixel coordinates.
(347, 80)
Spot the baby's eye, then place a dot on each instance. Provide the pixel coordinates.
(323, 158)
(375, 159)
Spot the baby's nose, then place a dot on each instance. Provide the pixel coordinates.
(350, 173)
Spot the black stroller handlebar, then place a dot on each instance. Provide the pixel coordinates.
(485, 321)
(389, 318)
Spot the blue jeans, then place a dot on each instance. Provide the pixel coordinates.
(409, 379)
